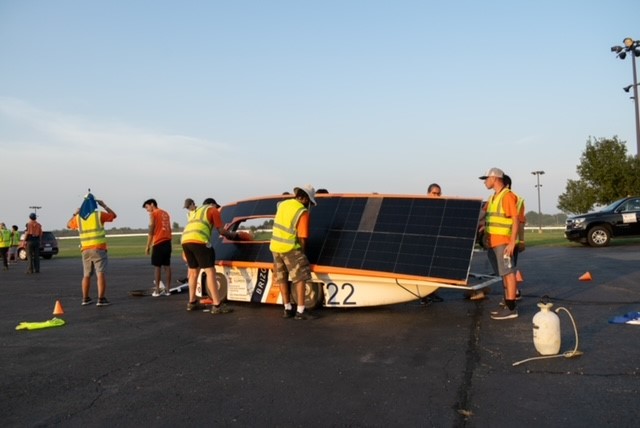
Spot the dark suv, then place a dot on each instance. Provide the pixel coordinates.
(48, 246)
(621, 218)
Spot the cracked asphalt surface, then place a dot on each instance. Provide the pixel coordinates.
(147, 361)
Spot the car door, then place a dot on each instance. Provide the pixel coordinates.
(629, 223)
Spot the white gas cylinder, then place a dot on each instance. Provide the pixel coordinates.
(546, 330)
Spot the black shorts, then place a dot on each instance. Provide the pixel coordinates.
(161, 254)
(199, 255)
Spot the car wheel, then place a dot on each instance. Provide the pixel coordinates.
(599, 236)
(313, 297)
(221, 282)
(47, 256)
(22, 254)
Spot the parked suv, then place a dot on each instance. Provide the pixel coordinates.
(621, 218)
(48, 246)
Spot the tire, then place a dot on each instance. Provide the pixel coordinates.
(22, 254)
(599, 236)
(47, 256)
(221, 282)
(313, 295)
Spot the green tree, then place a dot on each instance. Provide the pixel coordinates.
(606, 173)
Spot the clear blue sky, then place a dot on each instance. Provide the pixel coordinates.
(238, 99)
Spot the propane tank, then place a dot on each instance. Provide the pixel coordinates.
(546, 330)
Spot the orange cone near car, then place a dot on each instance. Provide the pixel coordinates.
(57, 309)
(585, 277)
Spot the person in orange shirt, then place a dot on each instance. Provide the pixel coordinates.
(33, 236)
(502, 225)
(199, 253)
(159, 245)
(93, 243)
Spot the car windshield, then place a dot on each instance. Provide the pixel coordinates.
(612, 206)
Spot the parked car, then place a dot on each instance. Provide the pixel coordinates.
(621, 218)
(48, 246)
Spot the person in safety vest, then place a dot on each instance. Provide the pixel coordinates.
(15, 243)
(89, 221)
(32, 236)
(501, 227)
(290, 232)
(5, 243)
(159, 245)
(199, 254)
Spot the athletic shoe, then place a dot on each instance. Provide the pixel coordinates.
(157, 293)
(166, 293)
(222, 309)
(86, 301)
(288, 313)
(477, 295)
(102, 301)
(518, 295)
(194, 306)
(306, 315)
(505, 314)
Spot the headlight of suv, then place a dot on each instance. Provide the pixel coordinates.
(576, 223)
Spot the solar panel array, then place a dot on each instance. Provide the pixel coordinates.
(419, 236)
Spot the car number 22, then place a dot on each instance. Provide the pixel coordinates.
(346, 292)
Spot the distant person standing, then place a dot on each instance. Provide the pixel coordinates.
(32, 237)
(199, 254)
(5, 243)
(89, 221)
(159, 245)
(15, 243)
(290, 234)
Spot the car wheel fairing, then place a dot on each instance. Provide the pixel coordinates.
(599, 236)
(313, 296)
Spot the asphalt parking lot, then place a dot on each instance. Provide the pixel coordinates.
(147, 361)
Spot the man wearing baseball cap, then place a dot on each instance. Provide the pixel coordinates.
(501, 226)
(290, 233)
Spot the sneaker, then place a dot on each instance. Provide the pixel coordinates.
(86, 301)
(288, 313)
(505, 314)
(477, 295)
(306, 315)
(102, 301)
(157, 293)
(222, 309)
(194, 306)
(518, 295)
(166, 293)
(182, 281)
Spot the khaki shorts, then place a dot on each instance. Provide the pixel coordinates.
(293, 265)
(94, 261)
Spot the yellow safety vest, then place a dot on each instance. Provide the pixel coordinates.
(6, 238)
(198, 228)
(284, 237)
(497, 222)
(15, 238)
(92, 233)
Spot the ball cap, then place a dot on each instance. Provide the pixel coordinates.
(493, 172)
(188, 202)
(309, 190)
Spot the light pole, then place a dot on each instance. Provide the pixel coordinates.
(35, 209)
(538, 174)
(633, 47)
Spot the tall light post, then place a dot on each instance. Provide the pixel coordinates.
(633, 47)
(35, 209)
(538, 186)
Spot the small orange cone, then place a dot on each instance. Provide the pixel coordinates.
(57, 309)
(585, 277)
(519, 277)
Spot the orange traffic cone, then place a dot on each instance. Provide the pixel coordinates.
(585, 277)
(519, 277)
(57, 309)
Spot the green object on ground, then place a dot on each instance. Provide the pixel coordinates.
(54, 322)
